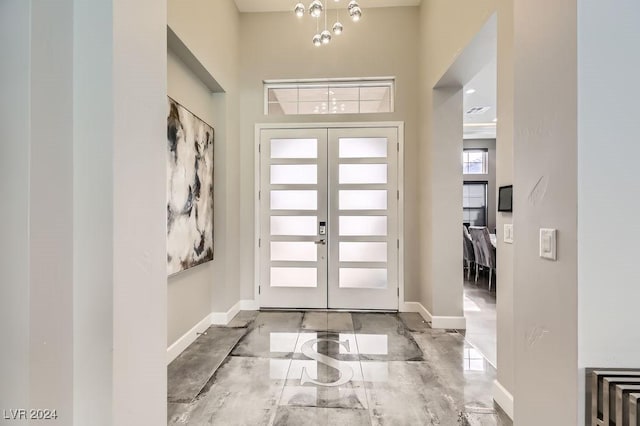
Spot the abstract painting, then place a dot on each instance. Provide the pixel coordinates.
(189, 190)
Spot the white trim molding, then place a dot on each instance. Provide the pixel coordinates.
(187, 338)
(503, 398)
(223, 318)
(416, 307)
(457, 323)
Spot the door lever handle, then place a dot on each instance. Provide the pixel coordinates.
(323, 242)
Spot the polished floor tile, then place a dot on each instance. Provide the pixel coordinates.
(480, 312)
(271, 335)
(327, 321)
(325, 368)
(192, 369)
(287, 416)
(384, 337)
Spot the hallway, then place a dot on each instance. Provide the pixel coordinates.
(281, 368)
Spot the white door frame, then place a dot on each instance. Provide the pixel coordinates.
(264, 126)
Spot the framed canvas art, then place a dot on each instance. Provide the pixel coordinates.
(189, 189)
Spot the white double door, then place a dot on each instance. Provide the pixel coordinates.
(329, 218)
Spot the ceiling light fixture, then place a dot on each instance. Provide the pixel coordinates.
(317, 9)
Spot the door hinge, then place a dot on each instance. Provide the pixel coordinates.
(398, 146)
(259, 195)
(259, 242)
(259, 147)
(398, 194)
(398, 291)
(259, 289)
(398, 243)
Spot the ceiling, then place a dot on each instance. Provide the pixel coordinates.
(482, 125)
(288, 5)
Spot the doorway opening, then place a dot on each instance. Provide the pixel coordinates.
(329, 222)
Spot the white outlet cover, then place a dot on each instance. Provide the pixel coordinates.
(508, 233)
(548, 243)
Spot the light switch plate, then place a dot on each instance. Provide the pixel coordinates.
(508, 233)
(548, 243)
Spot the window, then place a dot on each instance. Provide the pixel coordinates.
(329, 97)
(474, 203)
(475, 161)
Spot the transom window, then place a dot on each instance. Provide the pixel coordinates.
(475, 162)
(329, 97)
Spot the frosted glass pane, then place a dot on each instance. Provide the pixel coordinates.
(363, 147)
(363, 225)
(363, 173)
(294, 277)
(294, 200)
(300, 174)
(294, 225)
(294, 148)
(363, 278)
(363, 200)
(363, 252)
(294, 251)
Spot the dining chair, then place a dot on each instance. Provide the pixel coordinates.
(468, 250)
(482, 240)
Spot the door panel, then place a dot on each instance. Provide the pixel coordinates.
(346, 179)
(293, 200)
(363, 203)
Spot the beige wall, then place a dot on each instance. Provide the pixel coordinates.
(446, 27)
(210, 30)
(189, 292)
(545, 196)
(504, 176)
(364, 50)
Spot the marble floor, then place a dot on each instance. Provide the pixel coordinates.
(321, 368)
(480, 312)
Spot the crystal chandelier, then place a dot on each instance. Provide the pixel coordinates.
(317, 10)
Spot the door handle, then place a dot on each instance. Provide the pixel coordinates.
(323, 242)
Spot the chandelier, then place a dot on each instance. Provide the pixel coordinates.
(317, 10)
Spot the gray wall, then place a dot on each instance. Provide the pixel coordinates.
(15, 19)
(86, 221)
(210, 30)
(189, 292)
(363, 51)
(490, 177)
(545, 196)
(608, 152)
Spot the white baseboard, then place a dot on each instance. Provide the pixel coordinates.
(417, 307)
(188, 338)
(249, 305)
(223, 318)
(503, 398)
(458, 323)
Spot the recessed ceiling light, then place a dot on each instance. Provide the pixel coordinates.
(470, 91)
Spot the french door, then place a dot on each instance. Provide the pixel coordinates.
(329, 218)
